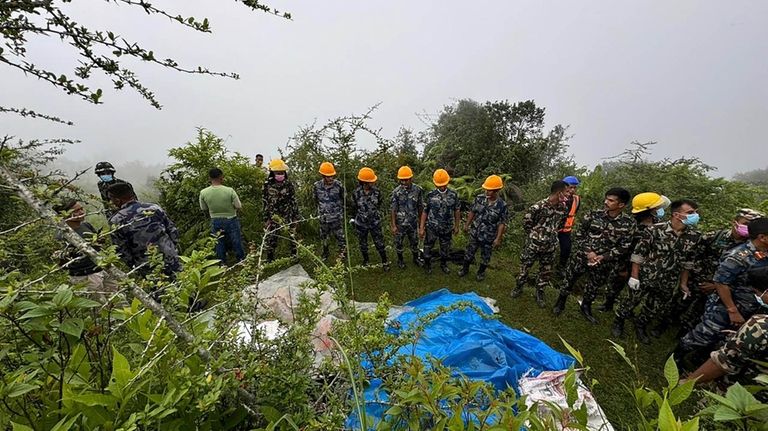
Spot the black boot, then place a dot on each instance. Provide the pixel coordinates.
(560, 304)
(658, 330)
(540, 298)
(326, 253)
(444, 267)
(428, 266)
(640, 334)
(617, 329)
(366, 260)
(400, 262)
(481, 273)
(415, 255)
(464, 269)
(607, 305)
(517, 291)
(586, 311)
(384, 260)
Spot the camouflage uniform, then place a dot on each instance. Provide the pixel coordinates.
(407, 204)
(713, 247)
(103, 186)
(367, 208)
(485, 226)
(623, 268)
(732, 272)
(605, 236)
(280, 209)
(138, 225)
(541, 222)
(662, 255)
(440, 209)
(741, 352)
(330, 209)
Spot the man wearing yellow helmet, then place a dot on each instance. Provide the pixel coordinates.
(329, 197)
(440, 220)
(366, 202)
(280, 208)
(486, 224)
(405, 211)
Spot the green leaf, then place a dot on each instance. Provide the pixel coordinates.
(691, 425)
(726, 414)
(72, 326)
(681, 393)
(83, 303)
(94, 399)
(65, 424)
(18, 389)
(121, 374)
(667, 421)
(740, 397)
(20, 427)
(39, 311)
(62, 298)
(671, 373)
(720, 399)
(7, 300)
(575, 353)
(79, 363)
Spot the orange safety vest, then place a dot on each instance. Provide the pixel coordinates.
(571, 215)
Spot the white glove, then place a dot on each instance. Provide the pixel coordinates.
(352, 221)
(633, 283)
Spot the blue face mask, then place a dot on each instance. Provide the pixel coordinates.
(106, 178)
(660, 212)
(691, 219)
(760, 301)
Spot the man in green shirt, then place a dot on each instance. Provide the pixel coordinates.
(222, 204)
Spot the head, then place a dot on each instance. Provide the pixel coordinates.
(572, 184)
(259, 160)
(685, 211)
(405, 176)
(72, 209)
(616, 199)
(278, 170)
(105, 171)
(120, 194)
(740, 224)
(440, 179)
(367, 177)
(758, 233)
(216, 176)
(328, 171)
(559, 189)
(492, 185)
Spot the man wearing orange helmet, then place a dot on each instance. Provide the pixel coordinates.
(329, 197)
(366, 202)
(440, 220)
(405, 211)
(486, 224)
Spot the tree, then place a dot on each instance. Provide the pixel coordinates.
(756, 176)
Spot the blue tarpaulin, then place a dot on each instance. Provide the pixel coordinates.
(476, 347)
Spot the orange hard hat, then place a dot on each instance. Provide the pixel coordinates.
(441, 177)
(404, 173)
(493, 182)
(327, 169)
(367, 175)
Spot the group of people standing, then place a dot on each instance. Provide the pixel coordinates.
(713, 282)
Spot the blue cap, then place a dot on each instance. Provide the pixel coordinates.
(571, 180)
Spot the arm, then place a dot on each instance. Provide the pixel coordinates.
(236, 201)
(724, 292)
(580, 233)
(499, 234)
(423, 223)
(684, 275)
(456, 220)
(529, 218)
(201, 201)
(623, 245)
(470, 217)
(170, 227)
(727, 274)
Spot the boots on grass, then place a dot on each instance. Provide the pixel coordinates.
(617, 329)
(560, 304)
(427, 266)
(326, 253)
(464, 269)
(481, 273)
(640, 333)
(658, 330)
(400, 261)
(366, 259)
(444, 267)
(610, 300)
(384, 260)
(586, 311)
(517, 291)
(540, 298)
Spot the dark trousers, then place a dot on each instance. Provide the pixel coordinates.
(230, 238)
(564, 238)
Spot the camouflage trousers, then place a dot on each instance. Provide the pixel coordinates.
(443, 238)
(597, 276)
(654, 298)
(486, 249)
(528, 257)
(709, 332)
(271, 236)
(410, 232)
(378, 239)
(336, 230)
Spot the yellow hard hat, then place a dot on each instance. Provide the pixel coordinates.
(404, 173)
(277, 165)
(327, 169)
(441, 177)
(367, 175)
(493, 182)
(648, 200)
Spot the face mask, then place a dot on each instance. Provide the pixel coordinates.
(759, 299)
(691, 219)
(742, 230)
(441, 191)
(106, 178)
(280, 178)
(660, 212)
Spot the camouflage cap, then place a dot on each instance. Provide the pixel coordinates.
(749, 214)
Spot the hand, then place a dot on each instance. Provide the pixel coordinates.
(496, 243)
(394, 229)
(599, 259)
(422, 232)
(456, 229)
(686, 291)
(707, 287)
(591, 256)
(633, 283)
(736, 318)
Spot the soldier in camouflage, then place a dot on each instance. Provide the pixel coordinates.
(601, 239)
(106, 173)
(281, 210)
(486, 224)
(541, 224)
(366, 202)
(736, 298)
(661, 259)
(714, 246)
(440, 220)
(329, 197)
(406, 205)
(137, 226)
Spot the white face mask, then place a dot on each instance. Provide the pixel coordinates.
(760, 301)
(442, 191)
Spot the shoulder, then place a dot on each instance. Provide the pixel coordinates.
(432, 193)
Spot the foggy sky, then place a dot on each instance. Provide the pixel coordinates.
(691, 75)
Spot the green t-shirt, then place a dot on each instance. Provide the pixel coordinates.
(219, 201)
